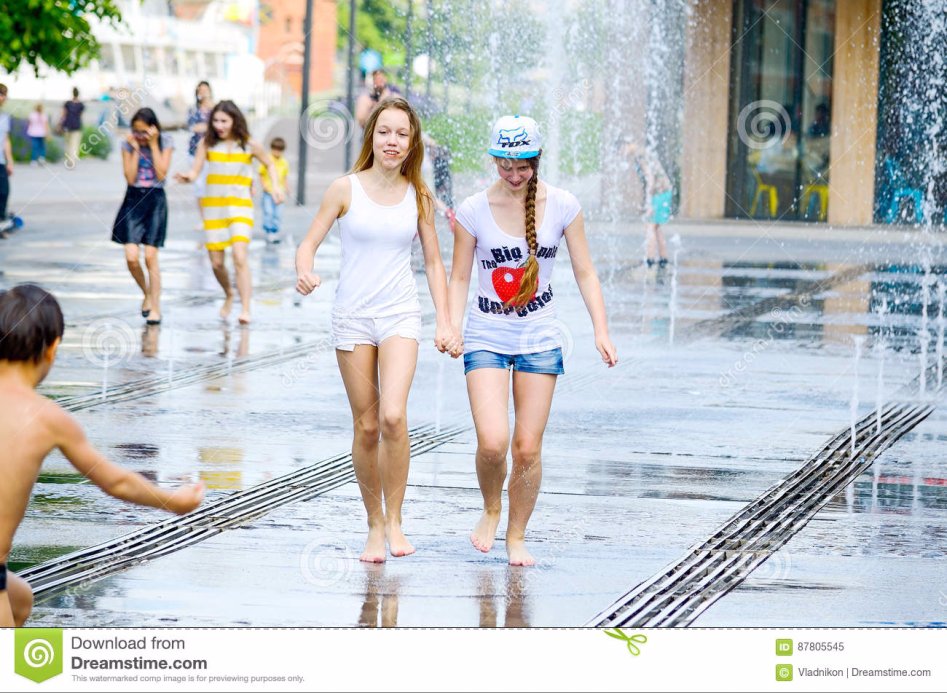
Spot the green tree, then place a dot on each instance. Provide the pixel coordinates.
(52, 32)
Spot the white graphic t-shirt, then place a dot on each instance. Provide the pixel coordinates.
(500, 263)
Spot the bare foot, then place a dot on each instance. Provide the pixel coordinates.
(374, 546)
(486, 530)
(244, 318)
(518, 554)
(227, 307)
(398, 542)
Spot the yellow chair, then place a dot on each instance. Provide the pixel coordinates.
(820, 189)
(761, 190)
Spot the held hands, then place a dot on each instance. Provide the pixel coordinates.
(607, 350)
(448, 341)
(307, 282)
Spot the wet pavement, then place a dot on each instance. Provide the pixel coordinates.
(738, 363)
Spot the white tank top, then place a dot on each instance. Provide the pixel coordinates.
(375, 280)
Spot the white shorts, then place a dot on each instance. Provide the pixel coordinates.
(348, 332)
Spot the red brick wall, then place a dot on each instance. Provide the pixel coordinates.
(280, 42)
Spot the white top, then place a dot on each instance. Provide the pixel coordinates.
(376, 279)
(499, 258)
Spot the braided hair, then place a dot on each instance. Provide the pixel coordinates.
(530, 281)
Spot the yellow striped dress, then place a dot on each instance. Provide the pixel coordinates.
(227, 205)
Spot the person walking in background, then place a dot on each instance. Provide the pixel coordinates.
(6, 158)
(36, 129)
(143, 217)
(198, 116)
(228, 206)
(658, 193)
(71, 124)
(271, 209)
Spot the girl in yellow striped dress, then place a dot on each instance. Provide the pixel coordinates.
(227, 204)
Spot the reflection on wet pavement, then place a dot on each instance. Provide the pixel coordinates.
(639, 463)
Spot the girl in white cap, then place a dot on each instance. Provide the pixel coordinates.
(513, 230)
(376, 319)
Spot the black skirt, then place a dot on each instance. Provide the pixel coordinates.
(142, 218)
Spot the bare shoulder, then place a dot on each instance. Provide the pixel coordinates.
(339, 194)
(60, 424)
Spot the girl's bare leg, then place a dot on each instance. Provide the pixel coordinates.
(244, 283)
(532, 400)
(397, 360)
(134, 268)
(154, 282)
(489, 393)
(223, 278)
(359, 370)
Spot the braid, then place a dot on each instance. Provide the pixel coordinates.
(530, 282)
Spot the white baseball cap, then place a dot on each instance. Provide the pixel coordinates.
(515, 137)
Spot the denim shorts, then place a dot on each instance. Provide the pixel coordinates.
(549, 362)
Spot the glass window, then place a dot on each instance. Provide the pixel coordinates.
(129, 58)
(171, 61)
(106, 57)
(190, 64)
(210, 64)
(778, 160)
(152, 59)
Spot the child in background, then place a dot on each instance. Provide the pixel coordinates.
(37, 128)
(228, 206)
(31, 426)
(272, 210)
(658, 193)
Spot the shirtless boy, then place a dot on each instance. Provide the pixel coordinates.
(31, 426)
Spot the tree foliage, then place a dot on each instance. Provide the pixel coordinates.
(56, 33)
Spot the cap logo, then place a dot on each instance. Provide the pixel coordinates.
(514, 137)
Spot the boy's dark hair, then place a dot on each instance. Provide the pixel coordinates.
(30, 321)
(278, 143)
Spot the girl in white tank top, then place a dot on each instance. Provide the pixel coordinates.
(380, 208)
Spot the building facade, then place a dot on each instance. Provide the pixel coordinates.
(814, 110)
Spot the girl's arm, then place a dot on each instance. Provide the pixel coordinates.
(445, 338)
(335, 204)
(160, 158)
(199, 158)
(130, 160)
(265, 159)
(590, 287)
(464, 247)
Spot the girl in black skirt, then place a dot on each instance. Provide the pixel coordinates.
(143, 217)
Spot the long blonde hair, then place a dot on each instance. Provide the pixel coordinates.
(411, 166)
